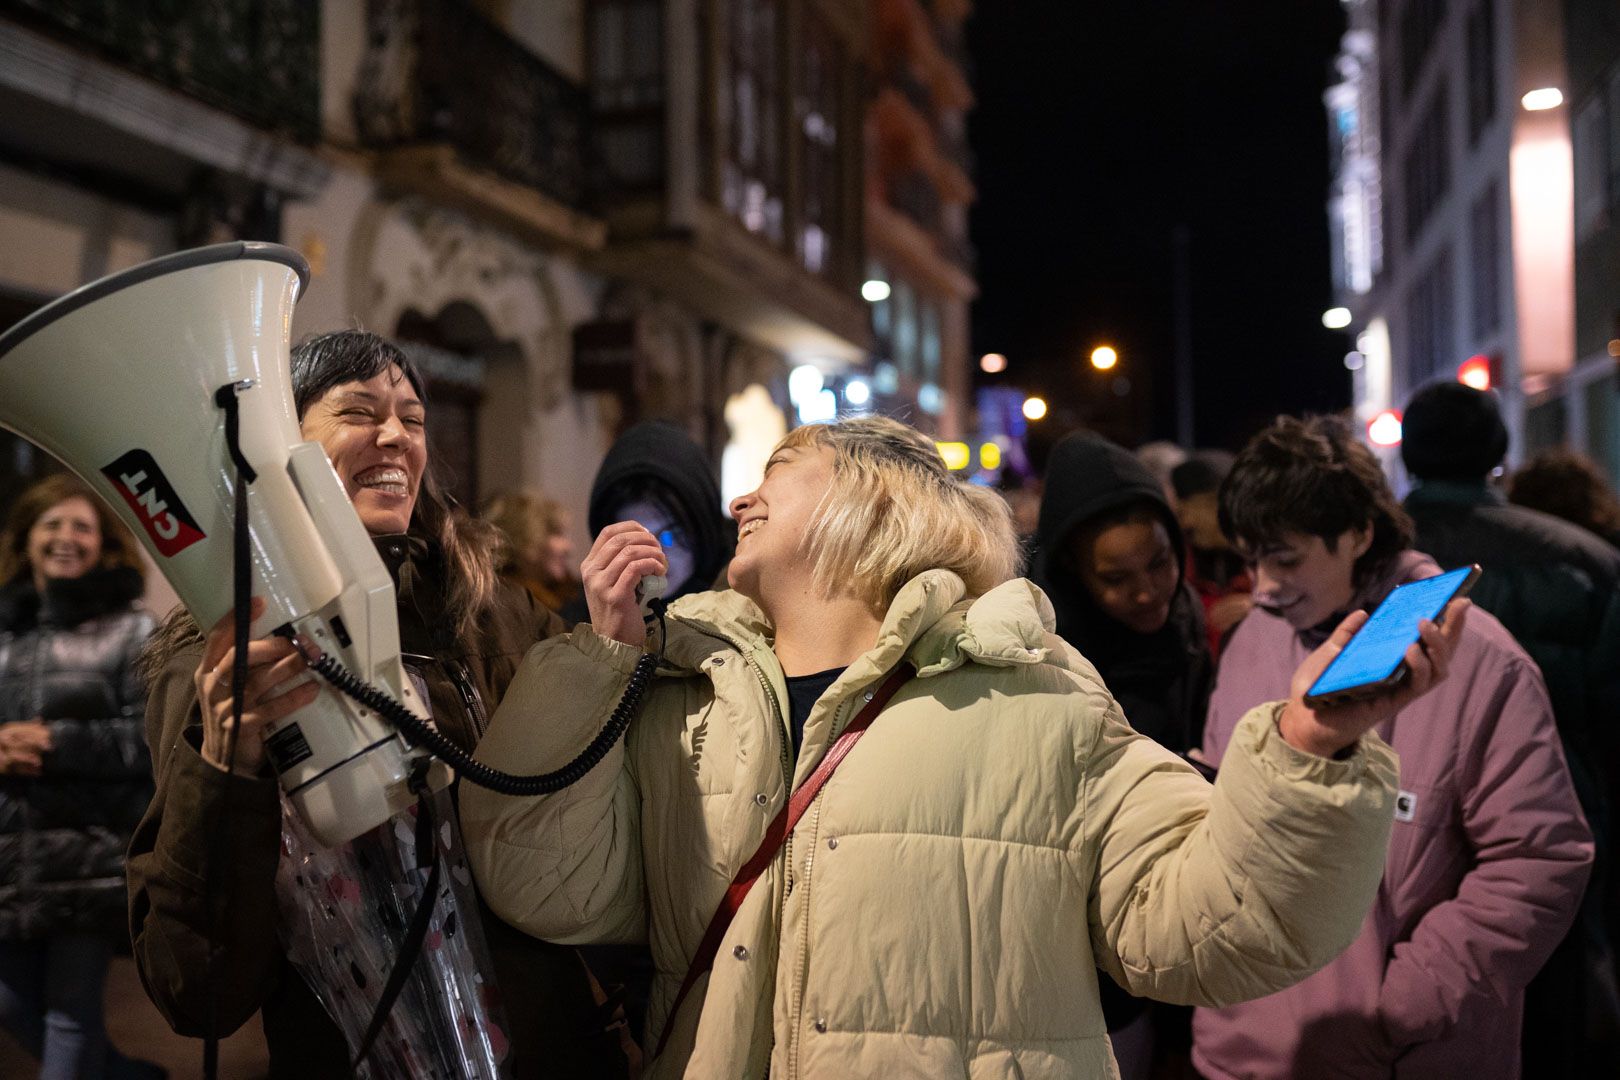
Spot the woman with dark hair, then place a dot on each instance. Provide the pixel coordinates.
(462, 633)
(1111, 556)
(1489, 851)
(74, 772)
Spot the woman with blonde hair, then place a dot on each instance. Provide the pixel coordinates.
(936, 899)
(535, 550)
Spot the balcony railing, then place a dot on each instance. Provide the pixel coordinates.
(258, 59)
(439, 72)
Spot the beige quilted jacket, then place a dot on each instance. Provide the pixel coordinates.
(998, 835)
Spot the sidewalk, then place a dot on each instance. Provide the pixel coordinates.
(140, 1031)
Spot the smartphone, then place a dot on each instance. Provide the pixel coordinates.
(1375, 659)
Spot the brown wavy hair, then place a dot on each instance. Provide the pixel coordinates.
(325, 361)
(117, 542)
(1313, 476)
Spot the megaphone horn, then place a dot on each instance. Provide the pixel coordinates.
(118, 380)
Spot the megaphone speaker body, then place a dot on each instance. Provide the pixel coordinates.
(118, 381)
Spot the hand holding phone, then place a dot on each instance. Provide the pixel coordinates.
(1331, 725)
(1374, 660)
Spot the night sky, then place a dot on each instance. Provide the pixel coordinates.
(1101, 127)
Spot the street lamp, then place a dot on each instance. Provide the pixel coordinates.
(1104, 357)
(1548, 97)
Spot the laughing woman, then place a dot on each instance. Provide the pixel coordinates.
(297, 956)
(942, 907)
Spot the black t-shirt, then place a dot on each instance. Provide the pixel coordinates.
(803, 693)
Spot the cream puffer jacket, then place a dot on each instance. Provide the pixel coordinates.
(943, 907)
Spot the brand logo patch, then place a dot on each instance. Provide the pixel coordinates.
(1405, 806)
(152, 498)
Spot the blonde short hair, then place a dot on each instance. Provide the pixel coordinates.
(893, 511)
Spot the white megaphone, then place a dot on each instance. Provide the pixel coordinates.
(118, 380)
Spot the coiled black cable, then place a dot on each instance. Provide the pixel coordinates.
(423, 735)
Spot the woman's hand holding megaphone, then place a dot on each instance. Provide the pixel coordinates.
(622, 555)
(271, 662)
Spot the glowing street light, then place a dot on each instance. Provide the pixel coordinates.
(1336, 318)
(992, 363)
(1385, 429)
(1548, 97)
(1475, 372)
(1034, 408)
(1104, 357)
(875, 291)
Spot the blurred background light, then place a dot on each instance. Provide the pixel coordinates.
(992, 363)
(1385, 429)
(874, 291)
(1336, 318)
(1548, 97)
(1034, 408)
(1104, 357)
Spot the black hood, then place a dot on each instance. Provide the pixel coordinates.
(681, 475)
(1088, 476)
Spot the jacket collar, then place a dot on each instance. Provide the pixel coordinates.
(931, 623)
(1455, 493)
(68, 602)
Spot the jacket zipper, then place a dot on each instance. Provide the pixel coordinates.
(782, 739)
(469, 698)
(802, 974)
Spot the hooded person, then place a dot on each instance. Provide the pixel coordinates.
(1111, 556)
(655, 474)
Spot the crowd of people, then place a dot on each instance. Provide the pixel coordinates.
(1093, 823)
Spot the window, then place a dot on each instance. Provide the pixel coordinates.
(1420, 22)
(818, 109)
(751, 178)
(1591, 160)
(627, 91)
(1427, 166)
(1481, 68)
(1484, 269)
(930, 345)
(1429, 318)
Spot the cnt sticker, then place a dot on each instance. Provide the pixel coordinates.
(150, 495)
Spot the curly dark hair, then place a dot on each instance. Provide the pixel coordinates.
(1312, 476)
(1569, 485)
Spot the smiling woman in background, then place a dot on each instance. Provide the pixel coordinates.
(74, 773)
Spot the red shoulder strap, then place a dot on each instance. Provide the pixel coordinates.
(776, 835)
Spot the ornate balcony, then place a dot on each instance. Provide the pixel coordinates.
(437, 72)
(464, 113)
(257, 59)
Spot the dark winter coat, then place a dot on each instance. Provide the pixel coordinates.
(544, 988)
(67, 657)
(1556, 587)
(1162, 680)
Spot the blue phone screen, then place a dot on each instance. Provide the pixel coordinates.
(1380, 645)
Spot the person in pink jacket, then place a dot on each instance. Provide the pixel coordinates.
(1490, 852)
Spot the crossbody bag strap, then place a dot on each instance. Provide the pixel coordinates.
(776, 834)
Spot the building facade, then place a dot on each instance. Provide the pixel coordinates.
(575, 214)
(1453, 209)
